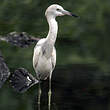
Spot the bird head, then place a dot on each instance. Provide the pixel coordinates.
(57, 10)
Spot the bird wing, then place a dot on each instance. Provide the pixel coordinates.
(37, 51)
(36, 56)
(53, 59)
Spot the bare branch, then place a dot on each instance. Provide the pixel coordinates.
(19, 39)
(21, 80)
(4, 71)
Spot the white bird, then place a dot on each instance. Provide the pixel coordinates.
(44, 56)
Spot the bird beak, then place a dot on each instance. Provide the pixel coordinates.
(69, 13)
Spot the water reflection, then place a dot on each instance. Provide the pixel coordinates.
(74, 87)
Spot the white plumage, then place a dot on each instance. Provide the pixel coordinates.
(42, 63)
(44, 56)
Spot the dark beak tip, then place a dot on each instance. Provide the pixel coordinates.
(75, 16)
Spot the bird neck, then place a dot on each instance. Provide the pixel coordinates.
(53, 29)
(48, 45)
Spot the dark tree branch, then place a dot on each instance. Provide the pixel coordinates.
(19, 39)
(4, 71)
(21, 80)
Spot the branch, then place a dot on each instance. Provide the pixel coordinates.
(4, 71)
(19, 39)
(21, 80)
(22, 40)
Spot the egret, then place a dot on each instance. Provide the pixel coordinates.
(44, 56)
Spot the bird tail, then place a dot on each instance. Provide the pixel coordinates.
(21, 80)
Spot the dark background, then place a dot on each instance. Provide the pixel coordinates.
(81, 78)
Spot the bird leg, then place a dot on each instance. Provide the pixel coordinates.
(49, 93)
(39, 96)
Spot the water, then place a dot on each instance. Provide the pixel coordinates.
(74, 87)
(79, 87)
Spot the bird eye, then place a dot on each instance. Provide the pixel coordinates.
(58, 9)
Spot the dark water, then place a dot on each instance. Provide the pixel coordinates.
(74, 87)
(79, 87)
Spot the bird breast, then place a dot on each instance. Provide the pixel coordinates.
(44, 67)
(44, 60)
